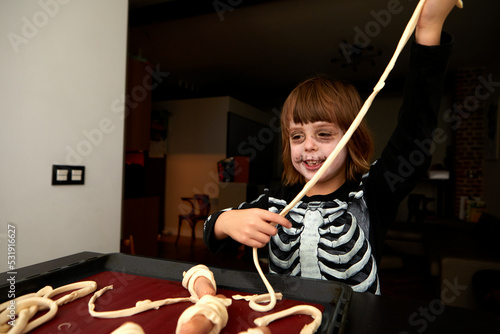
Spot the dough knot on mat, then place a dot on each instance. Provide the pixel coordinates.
(25, 309)
(26, 306)
(192, 274)
(255, 299)
(212, 308)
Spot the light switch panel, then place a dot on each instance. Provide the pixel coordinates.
(66, 175)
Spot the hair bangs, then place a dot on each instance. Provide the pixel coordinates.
(311, 103)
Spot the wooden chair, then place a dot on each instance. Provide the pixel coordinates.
(200, 210)
(128, 245)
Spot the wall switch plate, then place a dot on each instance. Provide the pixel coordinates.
(64, 175)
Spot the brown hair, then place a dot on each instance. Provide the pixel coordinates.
(321, 99)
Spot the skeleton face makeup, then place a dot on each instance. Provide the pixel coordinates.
(310, 146)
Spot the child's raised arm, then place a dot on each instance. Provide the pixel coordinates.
(431, 21)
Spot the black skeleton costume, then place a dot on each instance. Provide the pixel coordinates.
(339, 236)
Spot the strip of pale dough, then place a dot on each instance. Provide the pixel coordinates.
(269, 287)
(299, 309)
(140, 306)
(23, 305)
(410, 27)
(189, 278)
(212, 308)
(4, 316)
(255, 299)
(22, 320)
(82, 289)
(129, 328)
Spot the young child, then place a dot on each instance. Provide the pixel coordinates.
(337, 230)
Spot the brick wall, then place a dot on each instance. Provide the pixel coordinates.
(468, 114)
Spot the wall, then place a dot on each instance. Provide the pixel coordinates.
(491, 167)
(62, 86)
(196, 141)
(476, 168)
(469, 136)
(492, 188)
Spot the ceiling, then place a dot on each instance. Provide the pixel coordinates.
(258, 52)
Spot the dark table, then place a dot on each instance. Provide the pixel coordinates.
(380, 314)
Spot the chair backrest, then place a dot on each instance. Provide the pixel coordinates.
(201, 204)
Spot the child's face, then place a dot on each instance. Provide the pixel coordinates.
(310, 146)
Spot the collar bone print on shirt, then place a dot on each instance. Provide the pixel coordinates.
(325, 242)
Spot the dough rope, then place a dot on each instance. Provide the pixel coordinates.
(410, 27)
(211, 307)
(190, 276)
(299, 309)
(269, 287)
(5, 316)
(82, 289)
(24, 310)
(255, 299)
(140, 306)
(26, 306)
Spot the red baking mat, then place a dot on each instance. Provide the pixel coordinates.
(128, 289)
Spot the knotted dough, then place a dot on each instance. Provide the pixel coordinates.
(190, 276)
(211, 307)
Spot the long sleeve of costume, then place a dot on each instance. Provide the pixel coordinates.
(408, 154)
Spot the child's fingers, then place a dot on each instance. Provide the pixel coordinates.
(254, 243)
(275, 219)
(251, 227)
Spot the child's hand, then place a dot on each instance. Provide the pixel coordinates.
(431, 21)
(251, 227)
